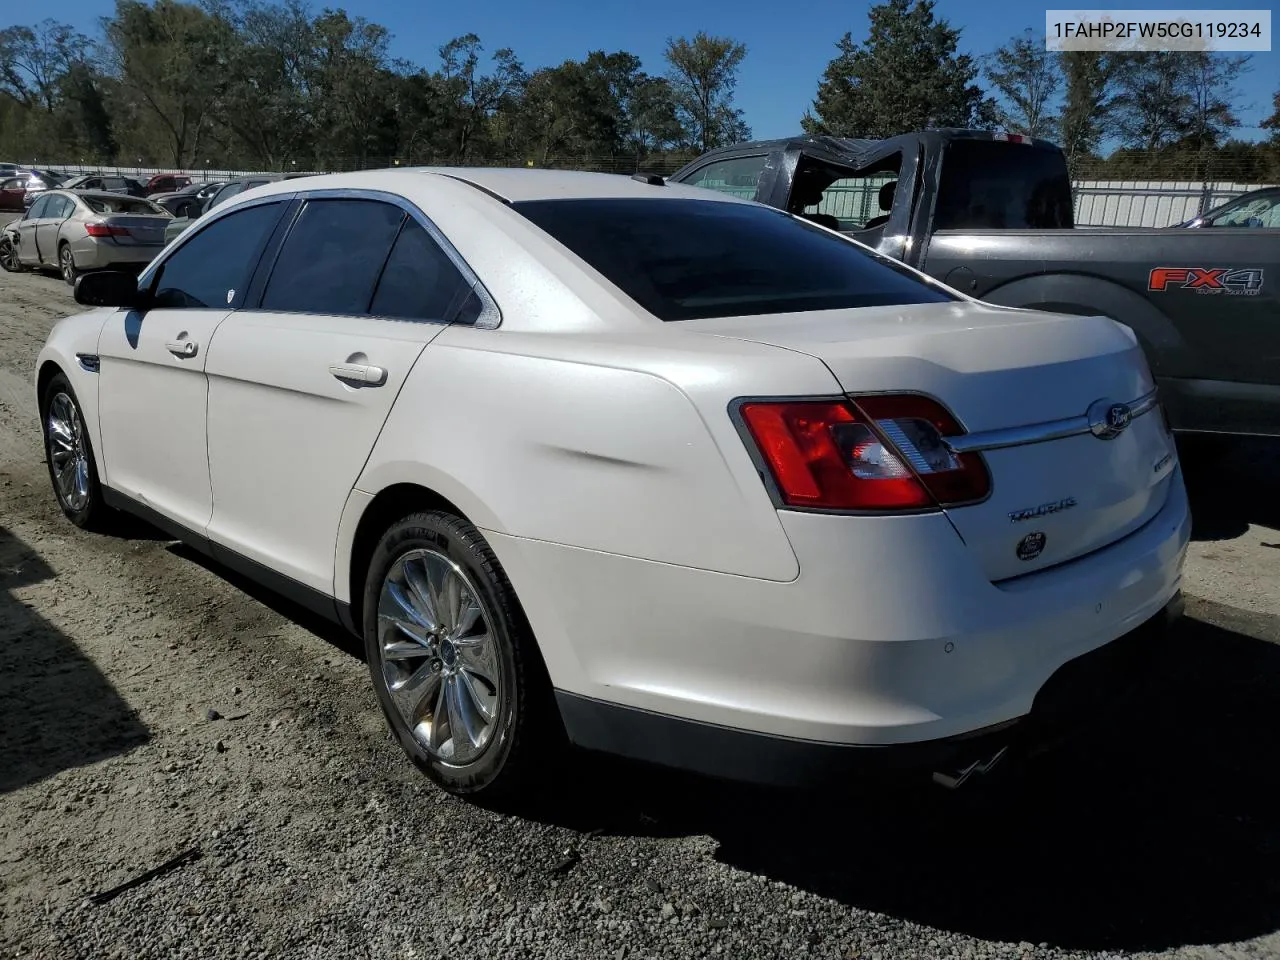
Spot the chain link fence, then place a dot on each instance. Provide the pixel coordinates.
(1138, 202)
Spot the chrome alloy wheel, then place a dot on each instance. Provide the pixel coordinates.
(67, 264)
(438, 658)
(68, 453)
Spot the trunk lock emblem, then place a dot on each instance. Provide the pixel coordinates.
(1107, 420)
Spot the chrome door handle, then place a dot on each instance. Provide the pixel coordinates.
(182, 348)
(359, 374)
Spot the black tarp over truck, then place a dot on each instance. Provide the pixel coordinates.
(993, 217)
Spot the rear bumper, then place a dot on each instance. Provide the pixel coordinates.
(1079, 694)
(92, 255)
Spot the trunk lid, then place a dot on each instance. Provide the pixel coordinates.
(1007, 373)
(144, 229)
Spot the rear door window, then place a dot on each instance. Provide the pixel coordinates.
(419, 281)
(332, 257)
(685, 259)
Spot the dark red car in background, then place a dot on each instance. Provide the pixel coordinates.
(167, 183)
(12, 191)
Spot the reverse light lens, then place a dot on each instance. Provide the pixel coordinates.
(882, 453)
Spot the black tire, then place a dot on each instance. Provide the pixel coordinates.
(92, 513)
(67, 264)
(526, 738)
(9, 256)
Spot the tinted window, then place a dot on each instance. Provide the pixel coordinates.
(38, 208)
(60, 207)
(230, 190)
(1263, 211)
(213, 267)
(686, 259)
(738, 177)
(13, 183)
(991, 184)
(332, 257)
(419, 281)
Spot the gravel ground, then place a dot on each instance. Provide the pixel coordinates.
(316, 839)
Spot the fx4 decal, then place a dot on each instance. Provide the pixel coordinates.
(1210, 280)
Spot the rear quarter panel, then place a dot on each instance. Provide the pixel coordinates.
(618, 444)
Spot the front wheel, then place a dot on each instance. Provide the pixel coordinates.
(453, 661)
(69, 454)
(9, 256)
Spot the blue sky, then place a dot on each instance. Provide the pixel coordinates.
(788, 44)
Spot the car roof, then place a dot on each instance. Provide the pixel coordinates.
(508, 184)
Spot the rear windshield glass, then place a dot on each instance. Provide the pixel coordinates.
(691, 259)
(121, 205)
(995, 185)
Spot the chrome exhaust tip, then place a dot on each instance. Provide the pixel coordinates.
(953, 780)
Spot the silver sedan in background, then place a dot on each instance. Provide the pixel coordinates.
(76, 231)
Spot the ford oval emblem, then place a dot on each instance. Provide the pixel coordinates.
(1107, 419)
(1031, 546)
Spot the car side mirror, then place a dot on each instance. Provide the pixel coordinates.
(109, 288)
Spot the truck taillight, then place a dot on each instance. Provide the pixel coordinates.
(874, 453)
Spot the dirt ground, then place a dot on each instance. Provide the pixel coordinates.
(316, 839)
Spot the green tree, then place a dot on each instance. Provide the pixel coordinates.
(1027, 79)
(87, 126)
(1272, 122)
(1171, 97)
(33, 61)
(265, 107)
(475, 97)
(907, 76)
(653, 121)
(169, 60)
(703, 73)
(571, 110)
(1210, 80)
(1087, 103)
(352, 89)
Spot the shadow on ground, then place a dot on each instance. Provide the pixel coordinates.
(327, 630)
(1232, 487)
(57, 711)
(1161, 833)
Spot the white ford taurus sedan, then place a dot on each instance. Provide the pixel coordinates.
(639, 467)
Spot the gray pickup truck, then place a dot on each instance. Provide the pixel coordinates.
(992, 216)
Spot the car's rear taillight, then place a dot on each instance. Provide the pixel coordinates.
(105, 230)
(875, 453)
